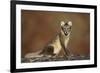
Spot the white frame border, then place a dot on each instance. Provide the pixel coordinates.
(51, 64)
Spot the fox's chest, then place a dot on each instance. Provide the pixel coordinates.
(64, 39)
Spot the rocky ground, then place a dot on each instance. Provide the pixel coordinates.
(48, 58)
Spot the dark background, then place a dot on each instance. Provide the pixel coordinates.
(38, 27)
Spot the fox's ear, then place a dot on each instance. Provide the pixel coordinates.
(70, 23)
(62, 23)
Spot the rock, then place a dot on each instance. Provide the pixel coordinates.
(47, 58)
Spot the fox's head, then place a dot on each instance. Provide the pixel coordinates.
(66, 27)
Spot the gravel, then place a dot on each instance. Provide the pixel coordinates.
(49, 58)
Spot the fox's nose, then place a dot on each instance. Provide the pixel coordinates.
(66, 33)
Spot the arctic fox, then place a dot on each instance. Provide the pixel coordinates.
(55, 46)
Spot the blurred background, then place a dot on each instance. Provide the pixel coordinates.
(38, 27)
